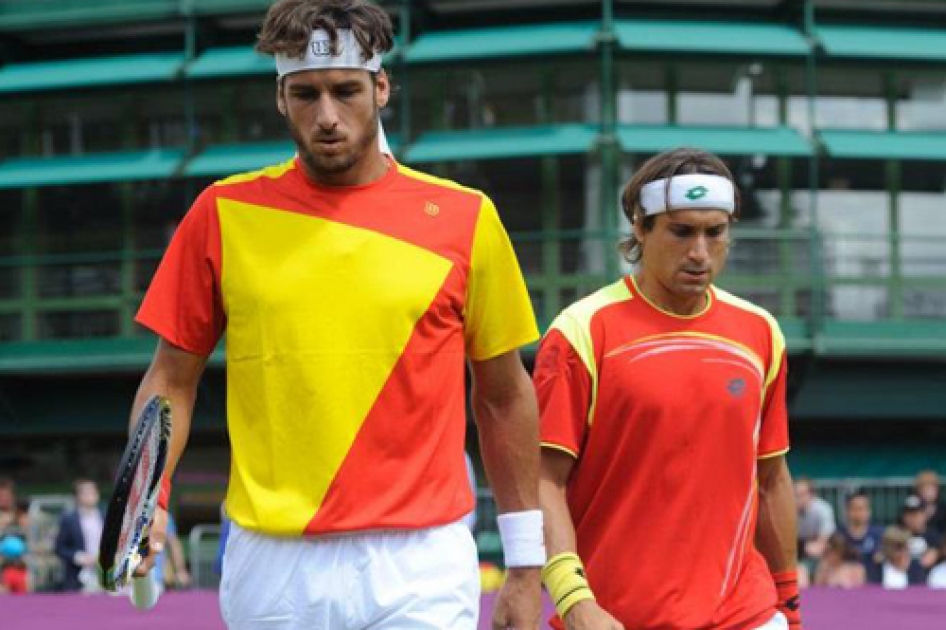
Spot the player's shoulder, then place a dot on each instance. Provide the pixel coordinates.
(263, 175)
(582, 312)
(430, 184)
(741, 307)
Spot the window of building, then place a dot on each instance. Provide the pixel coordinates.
(74, 125)
(80, 239)
(921, 101)
(853, 208)
(850, 98)
(507, 95)
(738, 94)
(642, 94)
(11, 204)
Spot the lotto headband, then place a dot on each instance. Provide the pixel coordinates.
(688, 192)
(318, 55)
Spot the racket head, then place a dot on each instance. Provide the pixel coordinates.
(135, 494)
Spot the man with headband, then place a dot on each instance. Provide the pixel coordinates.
(352, 290)
(668, 504)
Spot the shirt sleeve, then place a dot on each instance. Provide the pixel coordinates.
(773, 440)
(498, 314)
(563, 388)
(184, 304)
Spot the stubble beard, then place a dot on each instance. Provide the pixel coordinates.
(334, 164)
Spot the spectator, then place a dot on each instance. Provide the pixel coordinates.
(170, 569)
(13, 573)
(816, 523)
(858, 529)
(841, 565)
(77, 543)
(924, 539)
(937, 576)
(7, 503)
(893, 567)
(927, 487)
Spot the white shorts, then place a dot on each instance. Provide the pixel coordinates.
(778, 622)
(387, 580)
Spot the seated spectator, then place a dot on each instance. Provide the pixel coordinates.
(926, 486)
(841, 565)
(937, 576)
(77, 543)
(858, 530)
(924, 540)
(815, 523)
(893, 567)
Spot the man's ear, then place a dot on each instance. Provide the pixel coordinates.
(382, 88)
(281, 97)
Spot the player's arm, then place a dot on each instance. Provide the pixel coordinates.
(776, 533)
(507, 418)
(562, 575)
(174, 373)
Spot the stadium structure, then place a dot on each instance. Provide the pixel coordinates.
(114, 114)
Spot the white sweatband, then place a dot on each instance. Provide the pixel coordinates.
(696, 191)
(318, 55)
(523, 538)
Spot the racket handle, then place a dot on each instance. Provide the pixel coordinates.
(144, 592)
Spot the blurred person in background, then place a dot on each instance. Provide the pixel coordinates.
(924, 539)
(667, 496)
(937, 576)
(77, 543)
(858, 529)
(170, 567)
(7, 503)
(816, 523)
(841, 565)
(926, 486)
(13, 572)
(893, 567)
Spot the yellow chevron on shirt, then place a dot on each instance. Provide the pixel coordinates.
(318, 314)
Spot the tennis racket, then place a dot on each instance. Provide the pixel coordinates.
(134, 499)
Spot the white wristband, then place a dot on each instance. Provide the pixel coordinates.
(522, 536)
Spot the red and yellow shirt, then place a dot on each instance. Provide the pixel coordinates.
(667, 417)
(348, 314)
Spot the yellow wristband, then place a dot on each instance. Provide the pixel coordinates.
(564, 578)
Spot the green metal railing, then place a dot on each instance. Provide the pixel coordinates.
(772, 267)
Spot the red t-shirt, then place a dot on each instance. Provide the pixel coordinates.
(667, 417)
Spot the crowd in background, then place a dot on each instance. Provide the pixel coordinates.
(66, 554)
(908, 552)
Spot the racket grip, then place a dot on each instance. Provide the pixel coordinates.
(144, 592)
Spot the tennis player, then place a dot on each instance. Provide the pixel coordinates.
(668, 503)
(352, 290)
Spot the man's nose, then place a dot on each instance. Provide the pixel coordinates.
(326, 115)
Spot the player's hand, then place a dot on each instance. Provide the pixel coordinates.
(157, 535)
(519, 605)
(588, 615)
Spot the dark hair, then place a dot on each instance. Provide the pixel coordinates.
(856, 494)
(681, 161)
(288, 26)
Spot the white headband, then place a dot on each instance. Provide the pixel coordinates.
(688, 192)
(318, 55)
